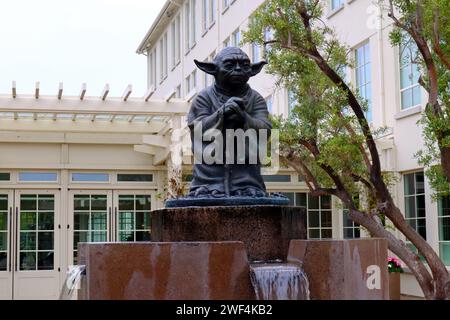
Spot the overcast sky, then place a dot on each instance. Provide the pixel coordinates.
(74, 41)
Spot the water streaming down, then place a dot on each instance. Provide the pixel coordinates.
(279, 281)
(72, 283)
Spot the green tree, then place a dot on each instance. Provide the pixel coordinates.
(327, 138)
(425, 23)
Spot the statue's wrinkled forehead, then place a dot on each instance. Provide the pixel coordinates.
(230, 53)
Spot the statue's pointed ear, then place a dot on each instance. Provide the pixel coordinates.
(257, 67)
(208, 67)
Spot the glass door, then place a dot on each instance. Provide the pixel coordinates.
(6, 243)
(37, 247)
(132, 217)
(91, 216)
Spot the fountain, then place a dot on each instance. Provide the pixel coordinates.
(228, 239)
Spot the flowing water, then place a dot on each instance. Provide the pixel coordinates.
(72, 284)
(281, 281)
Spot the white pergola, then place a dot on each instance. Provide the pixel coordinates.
(147, 123)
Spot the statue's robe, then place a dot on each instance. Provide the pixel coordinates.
(222, 179)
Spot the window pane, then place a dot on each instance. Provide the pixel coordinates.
(444, 251)
(90, 177)
(143, 203)
(3, 261)
(143, 220)
(3, 221)
(277, 178)
(28, 202)
(405, 78)
(143, 236)
(126, 202)
(27, 221)
(290, 196)
(4, 176)
(126, 221)
(98, 202)
(444, 206)
(406, 98)
(46, 202)
(421, 228)
(45, 260)
(3, 202)
(313, 202)
(347, 221)
(325, 202)
(325, 219)
(81, 202)
(81, 221)
(300, 199)
(313, 219)
(37, 176)
(126, 236)
(3, 241)
(45, 240)
(326, 233)
(314, 233)
(420, 206)
(28, 261)
(410, 207)
(45, 221)
(444, 229)
(27, 240)
(135, 177)
(419, 182)
(98, 236)
(98, 221)
(409, 183)
(79, 237)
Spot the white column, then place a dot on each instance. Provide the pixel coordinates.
(175, 160)
(431, 214)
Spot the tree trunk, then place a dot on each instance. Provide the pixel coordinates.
(445, 161)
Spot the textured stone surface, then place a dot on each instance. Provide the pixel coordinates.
(265, 230)
(157, 271)
(340, 269)
(226, 201)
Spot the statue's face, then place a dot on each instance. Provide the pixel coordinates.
(231, 67)
(234, 70)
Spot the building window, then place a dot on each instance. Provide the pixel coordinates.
(163, 57)
(444, 229)
(176, 41)
(269, 102)
(268, 36)
(3, 232)
(227, 42)
(38, 176)
(209, 13)
(128, 177)
(409, 75)
(415, 201)
(152, 64)
(256, 52)
(351, 228)
(134, 217)
(178, 92)
(191, 81)
(90, 177)
(277, 178)
(225, 4)
(363, 73)
(190, 23)
(236, 38)
(336, 4)
(5, 176)
(319, 213)
(292, 101)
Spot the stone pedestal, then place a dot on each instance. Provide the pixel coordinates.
(165, 271)
(394, 285)
(265, 230)
(344, 269)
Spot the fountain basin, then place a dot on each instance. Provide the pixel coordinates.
(264, 230)
(165, 271)
(350, 269)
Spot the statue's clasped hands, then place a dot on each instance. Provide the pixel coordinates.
(234, 109)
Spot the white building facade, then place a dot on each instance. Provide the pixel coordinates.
(197, 29)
